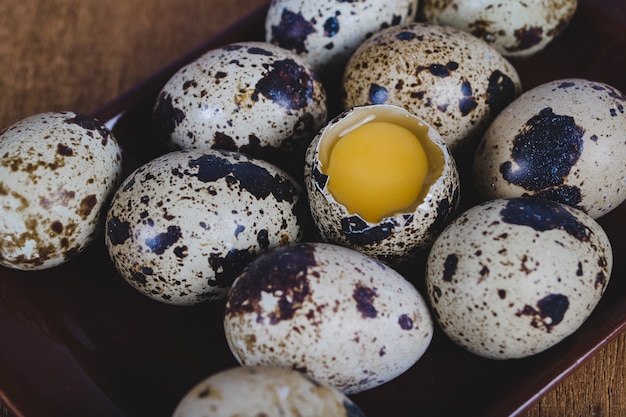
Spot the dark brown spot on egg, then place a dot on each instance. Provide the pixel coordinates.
(405, 322)
(566, 194)
(526, 37)
(90, 123)
(548, 313)
(251, 177)
(166, 117)
(118, 231)
(543, 215)
(292, 31)
(545, 152)
(223, 141)
(331, 27)
(283, 273)
(364, 297)
(501, 91)
(87, 204)
(227, 267)
(449, 267)
(288, 84)
(163, 241)
(204, 393)
(57, 227)
(64, 150)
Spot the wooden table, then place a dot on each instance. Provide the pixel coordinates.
(78, 54)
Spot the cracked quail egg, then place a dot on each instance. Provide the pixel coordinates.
(381, 181)
(251, 97)
(334, 313)
(517, 29)
(264, 391)
(510, 278)
(325, 33)
(57, 172)
(181, 227)
(452, 80)
(564, 140)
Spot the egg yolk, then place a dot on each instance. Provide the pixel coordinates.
(376, 170)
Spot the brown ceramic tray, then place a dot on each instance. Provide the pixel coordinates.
(77, 340)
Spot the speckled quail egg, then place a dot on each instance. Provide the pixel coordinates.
(454, 81)
(57, 172)
(181, 227)
(517, 29)
(329, 311)
(381, 181)
(510, 278)
(564, 140)
(251, 97)
(264, 391)
(326, 33)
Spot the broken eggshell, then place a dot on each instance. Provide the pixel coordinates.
(510, 278)
(336, 314)
(395, 238)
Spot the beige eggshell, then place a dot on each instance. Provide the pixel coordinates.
(57, 172)
(395, 238)
(517, 29)
(510, 278)
(325, 33)
(181, 227)
(342, 317)
(452, 80)
(251, 97)
(264, 391)
(564, 140)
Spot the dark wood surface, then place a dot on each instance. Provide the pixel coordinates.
(79, 54)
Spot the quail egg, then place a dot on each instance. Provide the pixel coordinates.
(381, 181)
(340, 316)
(326, 33)
(181, 227)
(264, 391)
(57, 172)
(510, 278)
(564, 140)
(452, 80)
(251, 97)
(517, 29)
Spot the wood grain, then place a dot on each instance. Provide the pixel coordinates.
(78, 54)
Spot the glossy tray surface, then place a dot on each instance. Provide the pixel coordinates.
(77, 340)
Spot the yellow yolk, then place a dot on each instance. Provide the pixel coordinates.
(377, 170)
